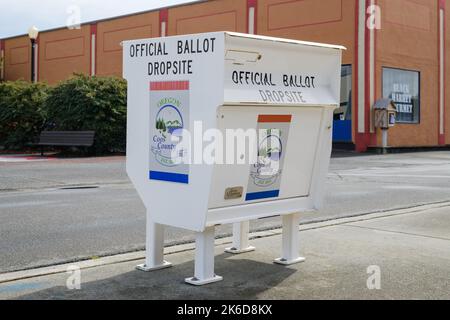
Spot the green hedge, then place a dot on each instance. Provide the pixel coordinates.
(22, 113)
(79, 103)
(91, 103)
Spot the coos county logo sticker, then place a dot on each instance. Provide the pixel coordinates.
(169, 124)
(265, 175)
(266, 170)
(169, 118)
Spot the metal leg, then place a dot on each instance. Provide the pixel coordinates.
(154, 248)
(240, 238)
(290, 240)
(204, 259)
(384, 143)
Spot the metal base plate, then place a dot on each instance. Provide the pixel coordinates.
(143, 267)
(233, 250)
(197, 282)
(285, 262)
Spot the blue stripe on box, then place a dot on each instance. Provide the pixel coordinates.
(262, 195)
(167, 176)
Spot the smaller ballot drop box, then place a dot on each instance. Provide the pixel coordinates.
(225, 128)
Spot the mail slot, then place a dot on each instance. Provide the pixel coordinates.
(224, 128)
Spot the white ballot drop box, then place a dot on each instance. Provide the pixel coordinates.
(224, 128)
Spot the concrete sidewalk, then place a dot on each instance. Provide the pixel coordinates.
(411, 248)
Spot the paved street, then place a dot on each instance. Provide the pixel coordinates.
(62, 210)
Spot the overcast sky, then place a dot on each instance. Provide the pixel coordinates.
(16, 16)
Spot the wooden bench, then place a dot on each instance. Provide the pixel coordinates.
(66, 138)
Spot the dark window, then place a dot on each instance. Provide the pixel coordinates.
(344, 112)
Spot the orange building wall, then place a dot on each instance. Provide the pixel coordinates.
(64, 52)
(17, 59)
(327, 21)
(215, 15)
(447, 74)
(110, 33)
(408, 39)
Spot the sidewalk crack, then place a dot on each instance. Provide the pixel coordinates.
(398, 232)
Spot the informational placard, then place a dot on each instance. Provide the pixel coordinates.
(169, 116)
(265, 175)
(392, 119)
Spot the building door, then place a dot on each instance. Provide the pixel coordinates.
(342, 125)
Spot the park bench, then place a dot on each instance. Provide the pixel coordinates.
(66, 138)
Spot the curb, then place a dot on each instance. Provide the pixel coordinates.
(140, 255)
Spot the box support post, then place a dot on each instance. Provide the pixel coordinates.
(384, 140)
(154, 247)
(204, 259)
(240, 238)
(290, 239)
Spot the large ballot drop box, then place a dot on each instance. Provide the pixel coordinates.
(224, 128)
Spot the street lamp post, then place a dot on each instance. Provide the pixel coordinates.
(33, 33)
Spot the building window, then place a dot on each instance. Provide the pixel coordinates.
(403, 88)
(344, 112)
(342, 124)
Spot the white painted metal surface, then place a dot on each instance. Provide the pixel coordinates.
(361, 66)
(441, 71)
(384, 138)
(36, 62)
(204, 259)
(163, 28)
(222, 80)
(290, 241)
(154, 246)
(2, 62)
(93, 54)
(240, 238)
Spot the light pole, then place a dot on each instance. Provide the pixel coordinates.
(33, 33)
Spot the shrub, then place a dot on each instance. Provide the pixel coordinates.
(91, 103)
(22, 114)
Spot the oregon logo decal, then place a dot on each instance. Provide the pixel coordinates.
(169, 122)
(265, 175)
(267, 168)
(169, 115)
